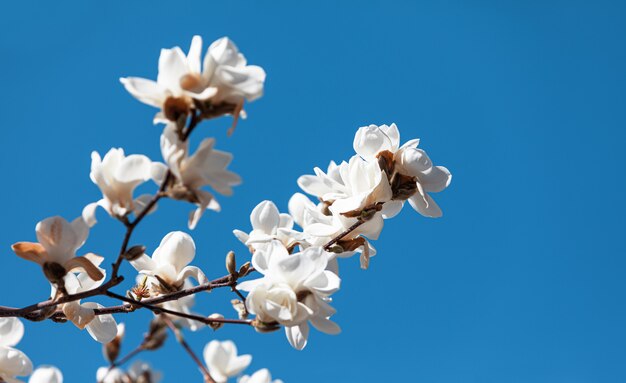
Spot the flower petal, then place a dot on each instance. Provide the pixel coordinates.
(30, 251)
(85, 264)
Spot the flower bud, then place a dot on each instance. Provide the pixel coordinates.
(231, 263)
(134, 252)
(216, 325)
(244, 269)
(156, 336)
(240, 307)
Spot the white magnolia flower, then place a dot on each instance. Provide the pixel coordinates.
(350, 188)
(294, 290)
(261, 376)
(168, 266)
(111, 375)
(222, 360)
(117, 176)
(58, 242)
(142, 370)
(178, 83)
(227, 70)
(46, 374)
(225, 77)
(207, 166)
(102, 328)
(13, 362)
(408, 160)
(269, 224)
(320, 228)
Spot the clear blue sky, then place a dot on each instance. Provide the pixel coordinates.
(522, 280)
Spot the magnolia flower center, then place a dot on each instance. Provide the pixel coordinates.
(176, 107)
(192, 82)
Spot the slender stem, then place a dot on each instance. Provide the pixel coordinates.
(338, 238)
(161, 310)
(179, 337)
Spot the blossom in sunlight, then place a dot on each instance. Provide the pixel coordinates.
(13, 362)
(269, 224)
(56, 250)
(295, 289)
(226, 69)
(355, 189)
(46, 374)
(222, 360)
(320, 226)
(207, 166)
(410, 170)
(222, 77)
(168, 268)
(117, 176)
(102, 328)
(261, 376)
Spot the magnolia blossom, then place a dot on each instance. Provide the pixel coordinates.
(141, 371)
(46, 374)
(111, 375)
(350, 190)
(370, 141)
(222, 360)
(13, 362)
(102, 328)
(56, 250)
(294, 291)
(117, 176)
(207, 166)
(261, 376)
(224, 76)
(320, 227)
(168, 268)
(269, 224)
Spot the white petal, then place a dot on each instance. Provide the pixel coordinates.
(297, 335)
(46, 374)
(425, 205)
(265, 217)
(11, 331)
(146, 91)
(102, 328)
(176, 249)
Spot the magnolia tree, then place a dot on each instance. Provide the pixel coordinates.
(292, 273)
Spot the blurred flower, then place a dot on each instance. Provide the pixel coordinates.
(206, 166)
(117, 176)
(46, 374)
(56, 250)
(222, 360)
(261, 376)
(294, 290)
(13, 362)
(141, 372)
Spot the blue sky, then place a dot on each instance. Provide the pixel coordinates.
(522, 280)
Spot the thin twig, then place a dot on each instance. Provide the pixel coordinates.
(338, 238)
(179, 337)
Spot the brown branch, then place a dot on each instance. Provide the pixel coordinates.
(179, 337)
(161, 310)
(341, 235)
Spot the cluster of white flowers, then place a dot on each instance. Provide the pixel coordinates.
(223, 362)
(355, 199)
(298, 266)
(14, 363)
